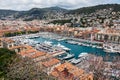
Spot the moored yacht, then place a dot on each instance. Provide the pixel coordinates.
(111, 48)
(69, 56)
(83, 54)
(76, 61)
(48, 42)
(72, 42)
(63, 47)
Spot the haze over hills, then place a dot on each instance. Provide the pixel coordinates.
(52, 12)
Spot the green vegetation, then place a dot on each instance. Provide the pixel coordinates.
(88, 10)
(6, 57)
(61, 22)
(26, 69)
(15, 67)
(30, 32)
(9, 34)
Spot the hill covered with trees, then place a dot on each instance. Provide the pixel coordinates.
(53, 12)
(91, 9)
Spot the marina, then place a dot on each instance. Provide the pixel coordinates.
(60, 40)
(50, 42)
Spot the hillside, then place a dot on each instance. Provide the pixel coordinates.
(5, 59)
(41, 13)
(53, 12)
(5, 13)
(87, 10)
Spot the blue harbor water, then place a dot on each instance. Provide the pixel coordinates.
(77, 49)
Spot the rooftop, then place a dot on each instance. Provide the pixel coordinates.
(38, 54)
(71, 69)
(51, 62)
(8, 40)
(27, 52)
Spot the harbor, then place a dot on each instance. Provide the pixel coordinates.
(60, 40)
(53, 43)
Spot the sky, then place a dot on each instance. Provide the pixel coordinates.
(67, 4)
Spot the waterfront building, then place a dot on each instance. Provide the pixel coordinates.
(108, 35)
(34, 54)
(7, 43)
(20, 48)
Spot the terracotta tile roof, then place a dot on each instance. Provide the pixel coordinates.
(28, 47)
(38, 54)
(71, 69)
(27, 52)
(0, 38)
(8, 40)
(65, 65)
(51, 62)
(16, 47)
(54, 73)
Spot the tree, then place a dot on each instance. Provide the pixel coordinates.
(98, 66)
(15, 67)
(26, 69)
(6, 57)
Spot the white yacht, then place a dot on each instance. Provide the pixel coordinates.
(111, 48)
(72, 42)
(76, 61)
(93, 46)
(48, 42)
(63, 47)
(83, 54)
(61, 39)
(69, 56)
(98, 47)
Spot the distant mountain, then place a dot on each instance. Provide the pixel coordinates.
(52, 12)
(34, 13)
(41, 13)
(56, 8)
(87, 10)
(5, 13)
